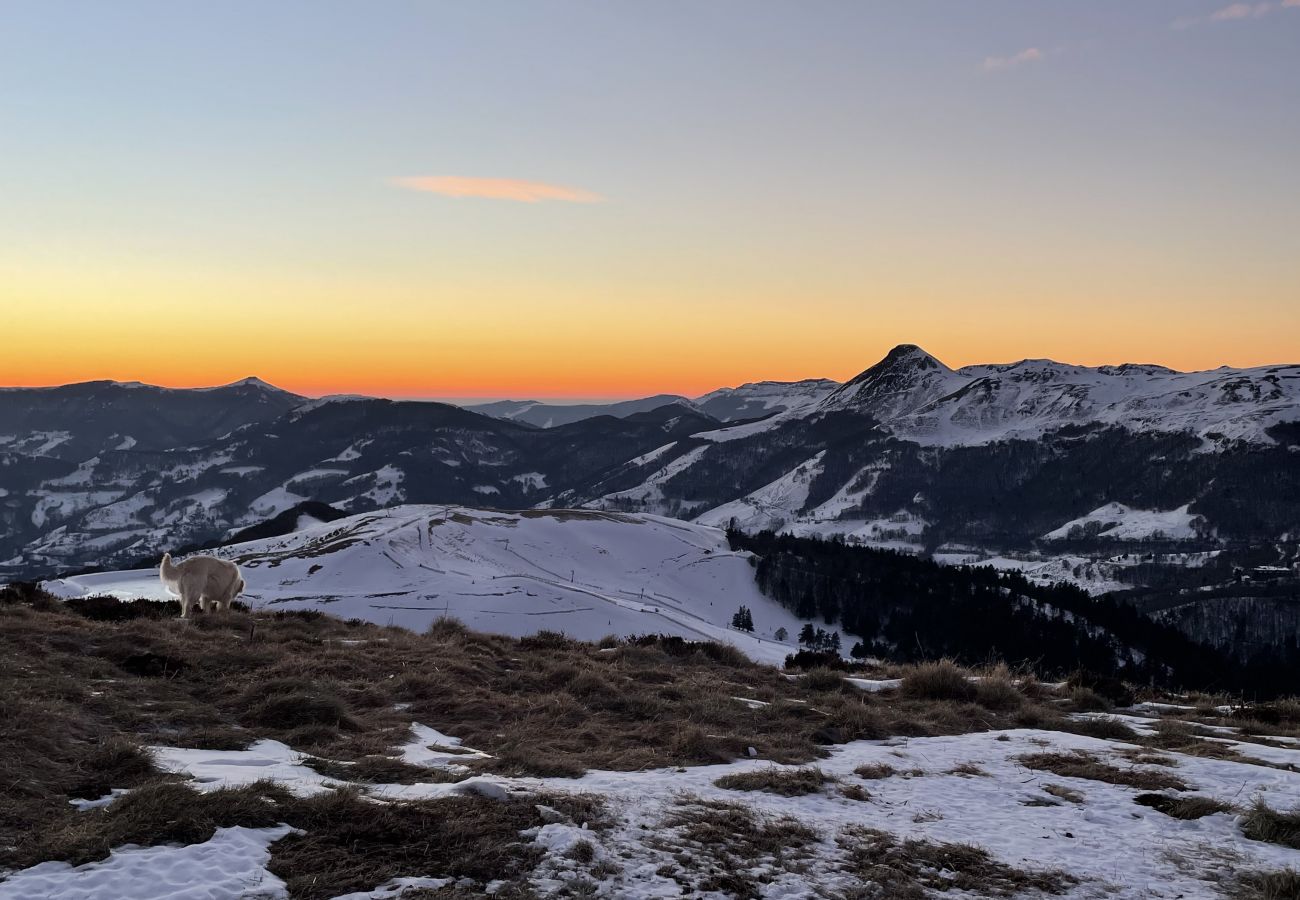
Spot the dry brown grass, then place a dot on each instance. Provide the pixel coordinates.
(1084, 765)
(1283, 884)
(915, 869)
(156, 813)
(382, 770)
(941, 680)
(1263, 823)
(771, 780)
(874, 771)
(79, 696)
(350, 844)
(1183, 807)
(1103, 727)
(345, 843)
(1184, 737)
(719, 846)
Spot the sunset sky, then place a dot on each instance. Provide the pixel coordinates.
(586, 200)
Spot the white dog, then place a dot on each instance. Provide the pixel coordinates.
(202, 581)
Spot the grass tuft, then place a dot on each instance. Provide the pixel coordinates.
(784, 782)
(1183, 807)
(913, 869)
(1085, 765)
(1263, 823)
(942, 680)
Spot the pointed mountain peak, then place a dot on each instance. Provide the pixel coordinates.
(905, 379)
(911, 356)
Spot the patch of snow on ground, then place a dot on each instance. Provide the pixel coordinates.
(430, 747)
(397, 887)
(230, 866)
(265, 759)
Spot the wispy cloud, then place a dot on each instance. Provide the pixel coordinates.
(1002, 63)
(1235, 12)
(497, 189)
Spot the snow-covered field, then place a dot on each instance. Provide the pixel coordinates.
(587, 574)
(967, 789)
(1123, 523)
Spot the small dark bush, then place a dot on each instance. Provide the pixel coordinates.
(816, 659)
(103, 608)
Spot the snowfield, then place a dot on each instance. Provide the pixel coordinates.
(587, 574)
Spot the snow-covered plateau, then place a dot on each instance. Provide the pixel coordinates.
(584, 573)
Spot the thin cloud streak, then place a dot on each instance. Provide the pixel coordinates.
(1235, 12)
(497, 189)
(1003, 63)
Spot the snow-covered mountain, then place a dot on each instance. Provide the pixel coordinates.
(909, 453)
(587, 574)
(76, 421)
(758, 399)
(549, 415)
(907, 379)
(913, 453)
(754, 400)
(110, 507)
(921, 399)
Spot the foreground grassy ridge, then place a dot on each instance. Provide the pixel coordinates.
(79, 696)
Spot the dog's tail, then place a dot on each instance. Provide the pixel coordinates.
(167, 571)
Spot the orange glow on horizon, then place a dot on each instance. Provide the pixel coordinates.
(487, 338)
(465, 380)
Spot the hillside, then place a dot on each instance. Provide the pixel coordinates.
(295, 755)
(586, 574)
(592, 574)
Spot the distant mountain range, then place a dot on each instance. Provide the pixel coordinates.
(749, 401)
(908, 453)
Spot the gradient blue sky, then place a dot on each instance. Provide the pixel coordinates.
(784, 190)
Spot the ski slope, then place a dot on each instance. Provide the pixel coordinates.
(588, 574)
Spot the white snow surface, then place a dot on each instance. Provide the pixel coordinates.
(229, 866)
(769, 506)
(1124, 523)
(585, 573)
